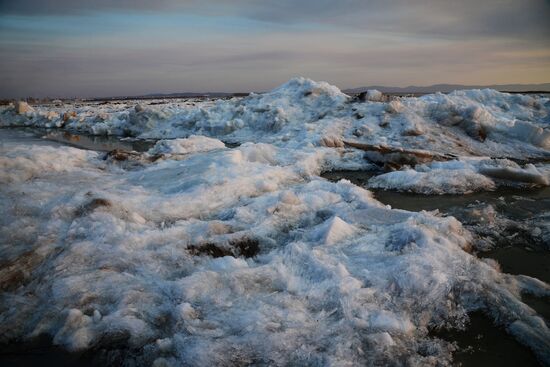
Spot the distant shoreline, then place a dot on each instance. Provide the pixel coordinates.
(224, 95)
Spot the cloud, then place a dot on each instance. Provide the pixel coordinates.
(67, 7)
(437, 18)
(108, 47)
(258, 63)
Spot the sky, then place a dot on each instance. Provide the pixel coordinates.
(80, 48)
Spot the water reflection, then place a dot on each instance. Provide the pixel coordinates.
(103, 143)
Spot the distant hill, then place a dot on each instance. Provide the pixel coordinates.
(446, 88)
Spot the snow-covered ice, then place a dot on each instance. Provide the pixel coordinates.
(192, 144)
(462, 176)
(200, 254)
(472, 122)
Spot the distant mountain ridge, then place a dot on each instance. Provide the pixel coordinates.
(446, 88)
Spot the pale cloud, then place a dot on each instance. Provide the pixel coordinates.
(133, 47)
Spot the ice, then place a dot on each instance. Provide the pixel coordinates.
(23, 107)
(301, 112)
(462, 176)
(529, 174)
(434, 181)
(21, 163)
(326, 273)
(334, 231)
(193, 144)
(200, 254)
(374, 95)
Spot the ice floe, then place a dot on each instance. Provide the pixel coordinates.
(461, 176)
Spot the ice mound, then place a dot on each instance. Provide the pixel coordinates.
(302, 112)
(268, 117)
(273, 117)
(374, 95)
(334, 231)
(482, 113)
(142, 258)
(464, 123)
(22, 107)
(193, 144)
(21, 163)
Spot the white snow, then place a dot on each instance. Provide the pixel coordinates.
(334, 231)
(22, 107)
(219, 256)
(374, 95)
(21, 163)
(193, 144)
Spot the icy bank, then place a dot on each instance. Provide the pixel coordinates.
(474, 122)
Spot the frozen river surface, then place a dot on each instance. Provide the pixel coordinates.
(211, 233)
